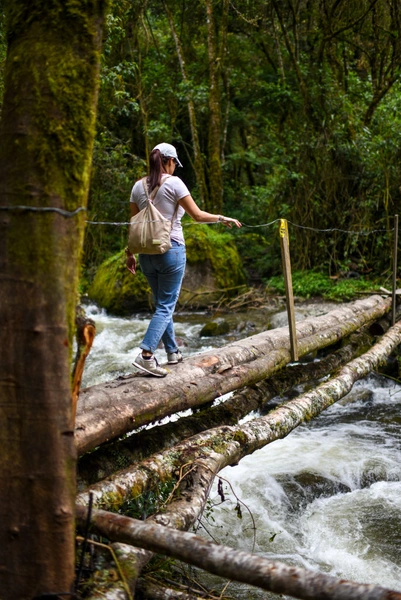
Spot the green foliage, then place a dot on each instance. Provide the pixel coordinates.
(347, 289)
(260, 255)
(311, 283)
(312, 136)
(304, 284)
(114, 171)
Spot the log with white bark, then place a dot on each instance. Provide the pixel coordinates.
(110, 458)
(109, 410)
(233, 564)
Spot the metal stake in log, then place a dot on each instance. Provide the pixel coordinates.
(285, 255)
(394, 269)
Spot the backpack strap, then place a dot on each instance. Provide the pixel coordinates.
(154, 193)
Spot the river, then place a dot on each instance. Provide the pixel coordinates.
(327, 497)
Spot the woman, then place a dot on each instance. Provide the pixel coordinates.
(165, 272)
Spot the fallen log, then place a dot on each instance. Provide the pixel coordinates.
(110, 458)
(109, 410)
(228, 444)
(233, 564)
(223, 446)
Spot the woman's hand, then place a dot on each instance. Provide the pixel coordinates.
(229, 222)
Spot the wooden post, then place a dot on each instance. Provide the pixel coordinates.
(285, 255)
(395, 251)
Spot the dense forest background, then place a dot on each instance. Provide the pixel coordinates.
(278, 109)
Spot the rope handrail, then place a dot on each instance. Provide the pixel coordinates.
(69, 214)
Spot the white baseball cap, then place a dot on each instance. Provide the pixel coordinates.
(168, 151)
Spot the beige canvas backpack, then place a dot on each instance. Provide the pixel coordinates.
(149, 232)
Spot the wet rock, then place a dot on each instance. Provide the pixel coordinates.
(304, 488)
(117, 290)
(357, 395)
(245, 327)
(374, 472)
(380, 529)
(213, 328)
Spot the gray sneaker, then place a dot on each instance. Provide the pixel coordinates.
(174, 357)
(150, 366)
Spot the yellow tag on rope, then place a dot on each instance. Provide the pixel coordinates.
(283, 228)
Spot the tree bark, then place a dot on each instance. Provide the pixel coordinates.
(46, 132)
(109, 410)
(233, 564)
(292, 52)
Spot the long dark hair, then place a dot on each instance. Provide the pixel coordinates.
(156, 169)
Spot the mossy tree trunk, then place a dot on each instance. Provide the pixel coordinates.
(215, 200)
(46, 132)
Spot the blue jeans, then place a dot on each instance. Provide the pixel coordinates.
(164, 273)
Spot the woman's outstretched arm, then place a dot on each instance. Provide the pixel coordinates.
(201, 216)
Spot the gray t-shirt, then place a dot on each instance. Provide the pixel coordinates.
(166, 199)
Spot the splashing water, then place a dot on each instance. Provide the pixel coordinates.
(328, 496)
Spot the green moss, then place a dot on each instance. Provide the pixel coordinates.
(208, 244)
(148, 502)
(111, 501)
(117, 290)
(220, 442)
(54, 70)
(213, 328)
(138, 501)
(240, 437)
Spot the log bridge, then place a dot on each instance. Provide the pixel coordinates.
(191, 451)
